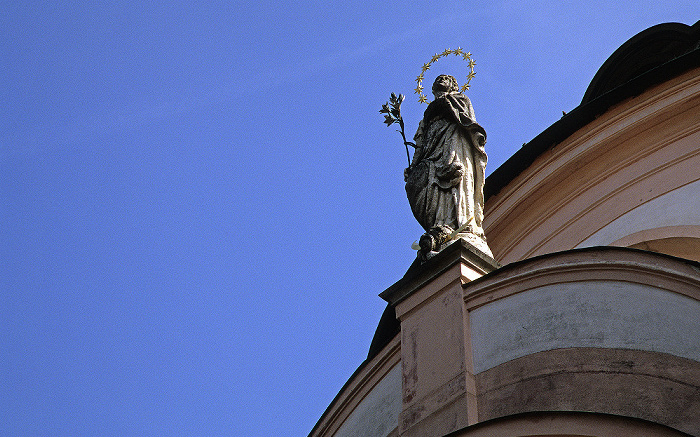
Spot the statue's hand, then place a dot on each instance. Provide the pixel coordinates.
(450, 175)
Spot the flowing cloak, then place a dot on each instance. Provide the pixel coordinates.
(445, 185)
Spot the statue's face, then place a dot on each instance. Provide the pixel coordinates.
(443, 84)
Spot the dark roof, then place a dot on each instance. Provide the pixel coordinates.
(651, 57)
(388, 328)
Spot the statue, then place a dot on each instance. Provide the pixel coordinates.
(445, 179)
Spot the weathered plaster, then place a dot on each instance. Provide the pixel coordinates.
(358, 391)
(567, 424)
(603, 314)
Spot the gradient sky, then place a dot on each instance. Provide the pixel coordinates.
(199, 202)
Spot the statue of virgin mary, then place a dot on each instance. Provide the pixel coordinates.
(445, 181)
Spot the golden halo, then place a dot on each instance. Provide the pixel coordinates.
(458, 52)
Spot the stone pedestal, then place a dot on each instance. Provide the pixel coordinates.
(438, 387)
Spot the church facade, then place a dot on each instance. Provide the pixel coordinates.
(589, 323)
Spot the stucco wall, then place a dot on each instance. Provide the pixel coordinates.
(569, 424)
(657, 387)
(603, 314)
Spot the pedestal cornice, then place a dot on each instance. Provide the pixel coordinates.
(420, 274)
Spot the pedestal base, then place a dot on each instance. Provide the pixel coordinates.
(438, 385)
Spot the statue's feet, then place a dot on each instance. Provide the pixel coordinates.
(434, 239)
(439, 237)
(426, 243)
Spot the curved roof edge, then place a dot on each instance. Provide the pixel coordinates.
(389, 327)
(653, 56)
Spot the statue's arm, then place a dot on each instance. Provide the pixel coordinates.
(418, 137)
(417, 154)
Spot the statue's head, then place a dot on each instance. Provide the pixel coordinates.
(445, 84)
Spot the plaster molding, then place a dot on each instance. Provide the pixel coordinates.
(581, 265)
(596, 180)
(437, 399)
(566, 424)
(648, 385)
(622, 188)
(421, 280)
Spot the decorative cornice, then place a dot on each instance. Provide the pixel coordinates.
(598, 138)
(419, 275)
(588, 264)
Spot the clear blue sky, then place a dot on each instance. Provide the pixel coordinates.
(199, 202)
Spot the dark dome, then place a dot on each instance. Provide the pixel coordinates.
(645, 51)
